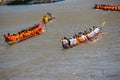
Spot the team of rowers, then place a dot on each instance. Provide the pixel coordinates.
(107, 7)
(27, 33)
(31, 31)
(80, 37)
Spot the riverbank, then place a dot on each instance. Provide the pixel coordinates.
(20, 2)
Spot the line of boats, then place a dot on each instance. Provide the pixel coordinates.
(80, 37)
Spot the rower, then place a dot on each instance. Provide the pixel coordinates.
(79, 34)
(9, 37)
(6, 39)
(96, 30)
(84, 37)
(91, 34)
(73, 41)
(65, 43)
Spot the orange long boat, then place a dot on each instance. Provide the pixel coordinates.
(107, 7)
(23, 35)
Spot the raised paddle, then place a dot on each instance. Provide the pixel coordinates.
(103, 24)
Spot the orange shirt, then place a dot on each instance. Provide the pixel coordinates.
(80, 39)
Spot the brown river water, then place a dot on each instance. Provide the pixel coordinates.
(42, 57)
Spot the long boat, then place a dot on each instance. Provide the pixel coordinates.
(86, 36)
(27, 37)
(107, 7)
(83, 38)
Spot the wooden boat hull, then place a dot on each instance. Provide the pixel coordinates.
(11, 43)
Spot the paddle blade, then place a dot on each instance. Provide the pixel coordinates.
(103, 23)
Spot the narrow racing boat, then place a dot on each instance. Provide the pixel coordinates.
(107, 7)
(81, 38)
(16, 38)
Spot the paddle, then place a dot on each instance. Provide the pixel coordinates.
(103, 24)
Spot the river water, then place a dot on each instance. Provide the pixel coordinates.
(42, 57)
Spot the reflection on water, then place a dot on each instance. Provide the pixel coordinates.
(42, 57)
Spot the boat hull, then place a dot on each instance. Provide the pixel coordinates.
(11, 43)
(79, 40)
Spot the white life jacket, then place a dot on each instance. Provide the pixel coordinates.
(91, 34)
(84, 37)
(73, 41)
(97, 30)
(64, 41)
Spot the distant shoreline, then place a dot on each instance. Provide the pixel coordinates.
(16, 2)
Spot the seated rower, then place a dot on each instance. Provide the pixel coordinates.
(85, 33)
(65, 43)
(14, 37)
(20, 35)
(6, 39)
(80, 33)
(91, 34)
(75, 36)
(73, 41)
(96, 29)
(84, 37)
(9, 37)
(39, 27)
